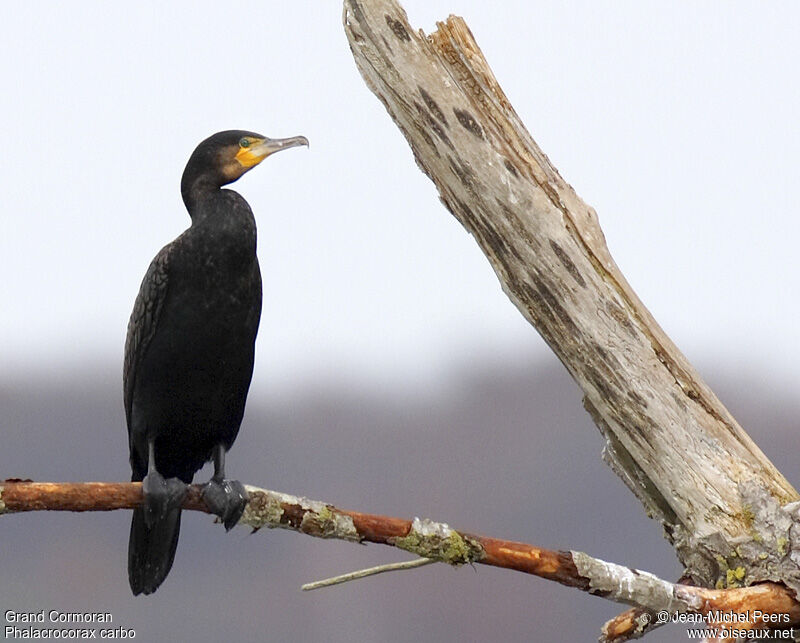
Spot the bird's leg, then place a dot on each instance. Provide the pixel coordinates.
(160, 494)
(225, 498)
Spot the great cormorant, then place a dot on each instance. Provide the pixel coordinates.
(189, 352)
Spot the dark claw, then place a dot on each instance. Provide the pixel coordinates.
(226, 499)
(160, 496)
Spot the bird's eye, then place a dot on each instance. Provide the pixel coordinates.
(244, 143)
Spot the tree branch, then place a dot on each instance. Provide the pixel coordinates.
(630, 624)
(365, 573)
(668, 436)
(424, 538)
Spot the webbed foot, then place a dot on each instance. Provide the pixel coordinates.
(226, 499)
(161, 495)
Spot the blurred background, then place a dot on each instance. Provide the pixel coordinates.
(392, 374)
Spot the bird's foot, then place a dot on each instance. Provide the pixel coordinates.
(226, 499)
(161, 495)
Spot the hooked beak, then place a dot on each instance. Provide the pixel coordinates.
(258, 151)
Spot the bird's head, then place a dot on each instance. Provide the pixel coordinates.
(225, 156)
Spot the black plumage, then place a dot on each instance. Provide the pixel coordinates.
(190, 349)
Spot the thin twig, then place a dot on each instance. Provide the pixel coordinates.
(630, 624)
(370, 571)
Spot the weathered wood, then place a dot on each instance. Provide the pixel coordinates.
(668, 436)
(431, 540)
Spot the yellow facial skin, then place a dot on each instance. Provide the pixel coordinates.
(251, 152)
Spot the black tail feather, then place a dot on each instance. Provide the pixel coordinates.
(151, 551)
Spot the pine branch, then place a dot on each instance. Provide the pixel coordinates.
(425, 538)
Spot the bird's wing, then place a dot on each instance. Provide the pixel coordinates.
(144, 321)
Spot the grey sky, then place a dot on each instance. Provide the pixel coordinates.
(676, 121)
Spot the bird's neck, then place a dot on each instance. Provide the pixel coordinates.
(198, 189)
(224, 230)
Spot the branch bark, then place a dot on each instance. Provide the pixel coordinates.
(667, 435)
(427, 539)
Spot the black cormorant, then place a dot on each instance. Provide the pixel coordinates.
(189, 352)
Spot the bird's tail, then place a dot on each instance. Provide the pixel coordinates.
(151, 550)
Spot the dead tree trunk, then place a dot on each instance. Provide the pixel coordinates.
(667, 435)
